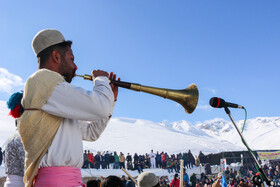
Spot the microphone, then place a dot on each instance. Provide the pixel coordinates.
(217, 102)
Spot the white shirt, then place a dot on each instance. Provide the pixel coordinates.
(85, 115)
(152, 155)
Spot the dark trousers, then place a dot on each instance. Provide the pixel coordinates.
(122, 165)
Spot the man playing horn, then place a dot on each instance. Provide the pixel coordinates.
(58, 115)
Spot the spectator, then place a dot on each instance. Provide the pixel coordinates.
(191, 160)
(232, 173)
(186, 160)
(203, 177)
(1, 156)
(198, 183)
(169, 166)
(202, 158)
(121, 160)
(107, 160)
(227, 172)
(177, 166)
(148, 179)
(238, 174)
(163, 160)
(277, 182)
(112, 161)
(102, 161)
(276, 175)
(238, 179)
(116, 161)
(217, 183)
(129, 165)
(162, 182)
(193, 180)
(90, 159)
(135, 158)
(98, 159)
(93, 183)
(14, 151)
(86, 161)
(158, 162)
(152, 157)
(175, 181)
(231, 183)
(124, 180)
(112, 181)
(186, 179)
(207, 183)
(130, 183)
(197, 161)
(207, 169)
(147, 161)
(139, 167)
(128, 158)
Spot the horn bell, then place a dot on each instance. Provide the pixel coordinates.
(188, 97)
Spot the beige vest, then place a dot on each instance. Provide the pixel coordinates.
(37, 128)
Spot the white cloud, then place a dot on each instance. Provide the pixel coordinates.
(204, 107)
(213, 91)
(8, 81)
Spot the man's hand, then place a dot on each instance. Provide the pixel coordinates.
(96, 73)
(115, 89)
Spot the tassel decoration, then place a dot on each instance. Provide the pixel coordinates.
(14, 104)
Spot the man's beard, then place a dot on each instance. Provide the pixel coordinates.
(69, 76)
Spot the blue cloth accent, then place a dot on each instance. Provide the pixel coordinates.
(186, 178)
(14, 100)
(223, 181)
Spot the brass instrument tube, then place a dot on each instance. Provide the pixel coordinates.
(188, 97)
(133, 86)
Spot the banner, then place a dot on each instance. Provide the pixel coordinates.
(269, 155)
(223, 164)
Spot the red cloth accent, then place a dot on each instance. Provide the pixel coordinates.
(59, 176)
(163, 158)
(175, 183)
(15, 112)
(90, 157)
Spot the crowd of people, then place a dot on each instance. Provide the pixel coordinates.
(228, 178)
(163, 160)
(145, 179)
(109, 160)
(113, 160)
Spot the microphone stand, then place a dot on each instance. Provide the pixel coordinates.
(257, 179)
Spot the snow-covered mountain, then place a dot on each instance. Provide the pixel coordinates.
(259, 133)
(140, 136)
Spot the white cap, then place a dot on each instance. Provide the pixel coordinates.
(147, 179)
(46, 38)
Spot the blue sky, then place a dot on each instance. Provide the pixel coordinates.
(229, 49)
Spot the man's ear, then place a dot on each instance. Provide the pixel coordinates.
(56, 56)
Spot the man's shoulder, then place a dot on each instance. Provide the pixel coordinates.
(43, 76)
(41, 72)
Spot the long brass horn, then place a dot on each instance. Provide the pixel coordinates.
(188, 97)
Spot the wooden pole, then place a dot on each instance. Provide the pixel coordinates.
(130, 176)
(181, 172)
